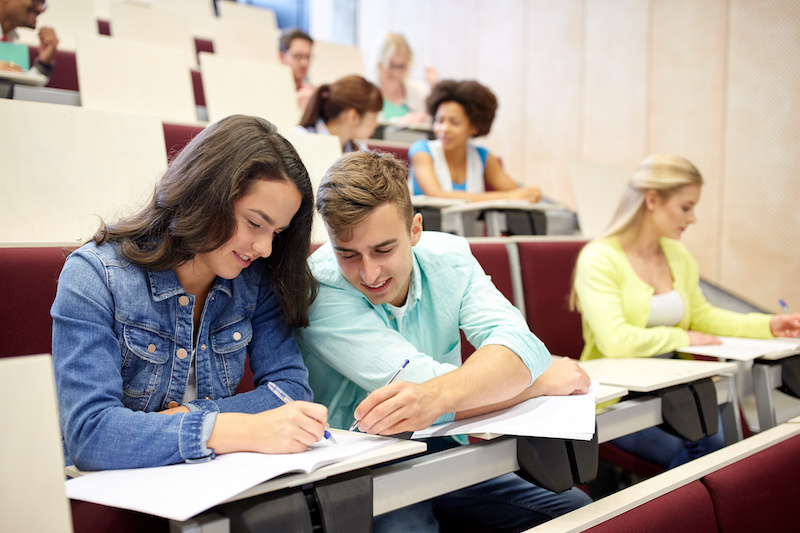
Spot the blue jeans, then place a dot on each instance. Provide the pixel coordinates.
(505, 503)
(666, 450)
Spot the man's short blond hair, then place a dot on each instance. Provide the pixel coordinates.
(356, 184)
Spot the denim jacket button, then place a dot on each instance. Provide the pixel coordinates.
(172, 405)
(183, 300)
(182, 353)
(208, 397)
(151, 348)
(237, 336)
(203, 347)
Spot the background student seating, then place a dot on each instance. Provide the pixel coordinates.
(748, 486)
(133, 77)
(177, 136)
(65, 71)
(688, 508)
(546, 266)
(29, 283)
(234, 85)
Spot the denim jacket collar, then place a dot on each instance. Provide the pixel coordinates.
(165, 284)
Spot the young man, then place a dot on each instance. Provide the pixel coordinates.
(22, 14)
(294, 49)
(388, 292)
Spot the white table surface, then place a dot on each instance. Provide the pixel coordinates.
(650, 374)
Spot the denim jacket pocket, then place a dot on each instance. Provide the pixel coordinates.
(143, 358)
(229, 344)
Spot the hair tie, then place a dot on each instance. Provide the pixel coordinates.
(324, 94)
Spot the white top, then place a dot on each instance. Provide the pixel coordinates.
(666, 309)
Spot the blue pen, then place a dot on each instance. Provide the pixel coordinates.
(394, 376)
(287, 399)
(784, 307)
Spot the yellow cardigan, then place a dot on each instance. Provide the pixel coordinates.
(615, 305)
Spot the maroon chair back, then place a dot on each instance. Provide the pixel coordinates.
(687, 508)
(546, 268)
(400, 152)
(758, 493)
(30, 277)
(176, 136)
(65, 71)
(493, 258)
(197, 87)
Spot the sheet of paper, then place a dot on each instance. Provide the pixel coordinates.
(181, 491)
(561, 417)
(742, 349)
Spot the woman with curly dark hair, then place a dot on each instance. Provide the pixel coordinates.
(154, 317)
(452, 166)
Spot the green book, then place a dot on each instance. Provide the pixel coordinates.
(16, 53)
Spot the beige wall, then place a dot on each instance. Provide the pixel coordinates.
(716, 81)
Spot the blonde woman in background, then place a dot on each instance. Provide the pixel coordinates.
(638, 290)
(403, 99)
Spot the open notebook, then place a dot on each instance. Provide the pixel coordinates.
(181, 491)
(742, 349)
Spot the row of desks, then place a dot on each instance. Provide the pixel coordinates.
(417, 479)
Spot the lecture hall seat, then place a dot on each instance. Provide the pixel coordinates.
(759, 492)
(687, 508)
(30, 277)
(493, 258)
(546, 268)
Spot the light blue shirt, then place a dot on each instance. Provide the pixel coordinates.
(352, 347)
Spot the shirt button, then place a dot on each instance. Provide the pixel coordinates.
(237, 336)
(182, 353)
(202, 346)
(183, 300)
(172, 405)
(391, 316)
(151, 348)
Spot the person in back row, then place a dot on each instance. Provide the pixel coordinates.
(294, 51)
(403, 98)
(23, 14)
(347, 108)
(452, 166)
(389, 292)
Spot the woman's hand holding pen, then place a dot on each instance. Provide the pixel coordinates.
(290, 428)
(786, 325)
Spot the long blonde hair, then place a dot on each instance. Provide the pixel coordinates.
(663, 173)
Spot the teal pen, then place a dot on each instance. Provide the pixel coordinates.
(286, 399)
(394, 376)
(784, 307)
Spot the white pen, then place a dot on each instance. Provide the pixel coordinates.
(394, 376)
(277, 391)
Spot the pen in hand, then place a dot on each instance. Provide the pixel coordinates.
(286, 399)
(784, 307)
(394, 376)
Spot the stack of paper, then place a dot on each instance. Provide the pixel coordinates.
(181, 491)
(560, 417)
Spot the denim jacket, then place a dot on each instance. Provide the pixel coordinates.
(122, 346)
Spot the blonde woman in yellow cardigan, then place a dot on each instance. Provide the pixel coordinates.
(638, 290)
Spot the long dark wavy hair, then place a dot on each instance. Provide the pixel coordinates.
(192, 210)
